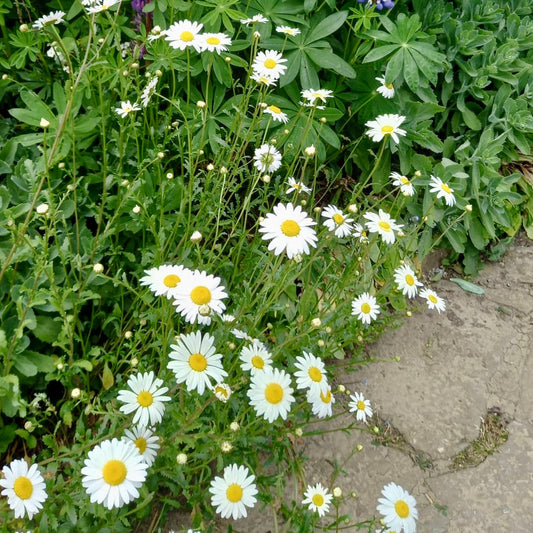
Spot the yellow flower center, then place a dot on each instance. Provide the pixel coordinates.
(114, 472)
(234, 493)
(186, 36)
(327, 397)
(387, 129)
(290, 228)
(338, 219)
(270, 63)
(145, 398)
(365, 308)
(212, 40)
(361, 405)
(23, 487)
(274, 393)
(258, 362)
(318, 500)
(315, 374)
(432, 298)
(141, 444)
(404, 180)
(275, 109)
(318, 95)
(390, 86)
(198, 362)
(445, 188)
(385, 226)
(171, 281)
(409, 280)
(201, 295)
(402, 509)
(221, 390)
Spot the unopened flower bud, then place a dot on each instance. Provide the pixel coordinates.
(316, 322)
(337, 492)
(134, 362)
(210, 167)
(298, 432)
(44, 123)
(98, 268)
(226, 446)
(42, 209)
(204, 310)
(320, 343)
(170, 175)
(310, 151)
(328, 330)
(323, 120)
(359, 447)
(23, 28)
(135, 65)
(75, 393)
(223, 170)
(196, 236)
(352, 208)
(137, 209)
(266, 178)
(468, 208)
(181, 458)
(128, 335)
(234, 426)
(201, 104)
(160, 155)
(61, 165)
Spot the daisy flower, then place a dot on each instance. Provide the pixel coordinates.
(222, 391)
(269, 63)
(126, 108)
(433, 301)
(24, 488)
(359, 232)
(267, 158)
(183, 34)
(113, 471)
(145, 397)
(233, 492)
(442, 189)
(360, 407)
(97, 6)
(270, 394)
(164, 280)
(385, 89)
(321, 403)
(254, 20)
(195, 361)
(317, 498)
(55, 17)
(296, 186)
(388, 124)
(264, 80)
(382, 224)
(289, 229)
(214, 42)
(240, 334)
(406, 187)
(255, 358)
(312, 95)
(407, 282)
(311, 373)
(398, 508)
(146, 442)
(200, 297)
(277, 114)
(149, 91)
(365, 308)
(337, 221)
(287, 30)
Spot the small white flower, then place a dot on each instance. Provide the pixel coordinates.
(97, 6)
(149, 91)
(277, 114)
(385, 89)
(255, 358)
(42, 209)
(267, 158)
(406, 187)
(360, 407)
(145, 440)
(222, 391)
(313, 95)
(311, 373)
(55, 17)
(433, 301)
(270, 64)
(183, 34)
(287, 30)
(296, 186)
(321, 402)
(317, 498)
(337, 221)
(310, 151)
(126, 108)
(365, 308)
(398, 508)
(382, 224)
(407, 282)
(214, 42)
(254, 20)
(385, 125)
(264, 79)
(442, 189)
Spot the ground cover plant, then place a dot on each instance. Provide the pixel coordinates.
(203, 205)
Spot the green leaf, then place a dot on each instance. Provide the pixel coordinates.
(327, 26)
(46, 329)
(380, 52)
(308, 74)
(410, 71)
(86, 365)
(394, 66)
(468, 286)
(326, 59)
(107, 378)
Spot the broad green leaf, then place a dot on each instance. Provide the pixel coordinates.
(308, 74)
(86, 365)
(468, 286)
(46, 329)
(327, 26)
(326, 59)
(107, 378)
(394, 66)
(329, 136)
(380, 52)
(410, 71)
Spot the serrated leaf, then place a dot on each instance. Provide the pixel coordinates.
(468, 286)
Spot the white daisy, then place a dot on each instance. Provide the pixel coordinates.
(146, 442)
(126, 108)
(183, 34)
(287, 30)
(359, 232)
(384, 125)
(149, 91)
(98, 6)
(289, 229)
(200, 297)
(255, 357)
(406, 187)
(222, 391)
(317, 498)
(398, 508)
(263, 80)
(277, 114)
(270, 394)
(296, 186)
(24, 488)
(227, 318)
(312, 95)
(311, 373)
(365, 308)
(233, 492)
(360, 406)
(267, 158)
(442, 189)
(382, 224)
(321, 402)
(254, 20)
(337, 221)
(145, 397)
(195, 361)
(385, 89)
(407, 282)
(433, 300)
(164, 280)
(113, 471)
(214, 42)
(55, 17)
(240, 334)
(269, 63)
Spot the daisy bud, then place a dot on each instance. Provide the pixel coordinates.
(316, 322)
(328, 330)
(468, 208)
(223, 170)
(226, 446)
(160, 155)
(418, 173)
(359, 447)
(201, 152)
(23, 28)
(352, 208)
(124, 183)
(142, 322)
(231, 345)
(175, 124)
(201, 104)
(10, 222)
(359, 338)
(400, 233)
(298, 432)
(128, 335)
(310, 151)
(181, 458)
(323, 120)
(227, 59)
(158, 73)
(44, 123)
(297, 258)
(204, 310)
(5, 76)
(234, 426)
(409, 313)
(196, 236)
(137, 209)
(98, 268)
(134, 362)
(28, 426)
(341, 388)
(317, 209)
(354, 495)
(320, 343)
(170, 175)
(125, 73)
(262, 105)
(273, 141)
(375, 429)
(101, 40)
(61, 165)
(75, 393)
(147, 75)
(337, 492)
(257, 35)
(60, 366)
(266, 178)
(135, 65)
(260, 219)
(210, 167)
(397, 358)
(156, 30)
(303, 202)
(42, 209)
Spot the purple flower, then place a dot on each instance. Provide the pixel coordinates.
(380, 4)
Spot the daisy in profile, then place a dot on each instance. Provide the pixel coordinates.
(270, 394)
(321, 402)
(113, 472)
(296, 186)
(365, 308)
(240, 334)
(255, 358)
(398, 508)
(317, 498)
(256, 19)
(313, 95)
(382, 224)
(200, 297)
(385, 89)
(287, 30)
(195, 362)
(126, 108)
(407, 282)
(359, 232)
(263, 80)
(183, 34)
(406, 187)
(311, 373)
(277, 114)
(145, 398)
(267, 158)
(164, 280)
(145, 441)
(214, 42)
(433, 301)
(269, 63)
(442, 189)
(97, 6)
(360, 407)
(149, 91)
(289, 229)
(232, 493)
(53, 18)
(385, 125)
(24, 488)
(337, 221)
